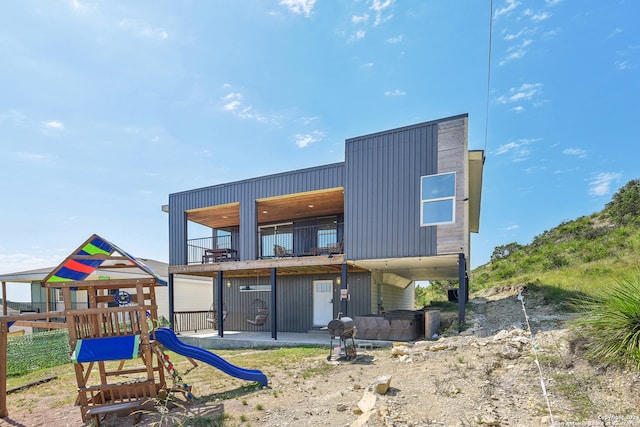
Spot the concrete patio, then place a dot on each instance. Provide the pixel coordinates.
(209, 339)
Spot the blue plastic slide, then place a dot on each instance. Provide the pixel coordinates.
(171, 342)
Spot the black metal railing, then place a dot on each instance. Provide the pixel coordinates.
(199, 249)
(273, 242)
(307, 240)
(187, 321)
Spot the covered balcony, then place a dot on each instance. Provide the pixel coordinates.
(297, 225)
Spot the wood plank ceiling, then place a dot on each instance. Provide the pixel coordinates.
(274, 209)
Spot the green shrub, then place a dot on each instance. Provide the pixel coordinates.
(610, 323)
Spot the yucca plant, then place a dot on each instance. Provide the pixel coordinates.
(610, 323)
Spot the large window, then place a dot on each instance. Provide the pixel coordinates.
(327, 232)
(276, 237)
(438, 193)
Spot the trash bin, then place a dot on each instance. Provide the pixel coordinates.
(431, 323)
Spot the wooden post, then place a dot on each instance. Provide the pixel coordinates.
(4, 298)
(274, 304)
(463, 291)
(344, 285)
(4, 333)
(220, 305)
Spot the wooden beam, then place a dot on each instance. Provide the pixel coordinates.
(104, 257)
(31, 316)
(41, 324)
(4, 298)
(103, 284)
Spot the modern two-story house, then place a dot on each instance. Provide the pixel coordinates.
(291, 251)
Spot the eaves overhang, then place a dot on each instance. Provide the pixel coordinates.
(476, 168)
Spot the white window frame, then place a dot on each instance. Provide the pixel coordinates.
(423, 202)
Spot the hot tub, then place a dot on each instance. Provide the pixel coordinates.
(397, 325)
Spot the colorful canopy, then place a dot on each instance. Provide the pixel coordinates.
(89, 257)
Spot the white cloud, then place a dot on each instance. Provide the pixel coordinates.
(233, 102)
(512, 227)
(82, 6)
(379, 7)
(552, 2)
(518, 150)
(600, 184)
(615, 32)
(14, 263)
(525, 92)
(368, 65)
(359, 19)
(396, 92)
(358, 35)
(624, 65)
(142, 30)
(396, 39)
(516, 52)
(505, 148)
(299, 7)
(53, 124)
(303, 140)
(578, 152)
(513, 36)
(510, 6)
(541, 16)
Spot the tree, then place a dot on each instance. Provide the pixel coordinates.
(503, 252)
(624, 207)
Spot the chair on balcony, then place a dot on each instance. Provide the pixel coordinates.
(212, 316)
(280, 251)
(259, 307)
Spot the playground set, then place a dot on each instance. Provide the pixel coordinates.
(119, 325)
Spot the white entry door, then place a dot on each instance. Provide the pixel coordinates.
(322, 302)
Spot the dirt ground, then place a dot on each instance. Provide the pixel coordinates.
(496, 373)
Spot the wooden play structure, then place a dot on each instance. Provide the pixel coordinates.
(118, 365)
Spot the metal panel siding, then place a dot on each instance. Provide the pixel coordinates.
(382, 193)
(295, 301)
(246, 192)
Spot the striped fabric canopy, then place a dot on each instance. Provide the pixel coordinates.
(88, 258)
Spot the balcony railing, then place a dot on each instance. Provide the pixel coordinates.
(187, 321)
(273, 242)
(309, 240)
(210, 249)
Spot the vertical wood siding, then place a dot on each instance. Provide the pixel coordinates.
(452, 157)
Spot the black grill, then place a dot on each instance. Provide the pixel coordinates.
(342, 329)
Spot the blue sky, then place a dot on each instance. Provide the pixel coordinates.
(107, 107)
